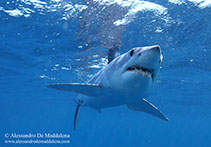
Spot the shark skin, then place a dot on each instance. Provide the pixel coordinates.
(127, 80)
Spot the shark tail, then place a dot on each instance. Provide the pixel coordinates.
(76, 116)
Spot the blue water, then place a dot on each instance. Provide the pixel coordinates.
(42, 41)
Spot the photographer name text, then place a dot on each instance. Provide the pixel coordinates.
(37, 135)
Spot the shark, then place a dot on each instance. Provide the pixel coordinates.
(127, 79)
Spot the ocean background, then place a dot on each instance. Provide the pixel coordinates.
(54, 41)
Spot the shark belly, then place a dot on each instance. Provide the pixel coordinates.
(105, 100)
(110, 98)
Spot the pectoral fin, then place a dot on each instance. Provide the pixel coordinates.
(82, 88)
(145, 106)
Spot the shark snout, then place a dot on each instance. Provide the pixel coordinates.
(156, 48)
(153, 49)
(149, 57)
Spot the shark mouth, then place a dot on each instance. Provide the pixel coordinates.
(141, 70)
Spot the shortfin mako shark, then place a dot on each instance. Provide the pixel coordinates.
(126, 80)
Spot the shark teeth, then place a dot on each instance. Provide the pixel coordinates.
(142, 70)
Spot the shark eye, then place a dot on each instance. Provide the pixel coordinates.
(131, 52)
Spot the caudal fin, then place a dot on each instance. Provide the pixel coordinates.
(76, 116)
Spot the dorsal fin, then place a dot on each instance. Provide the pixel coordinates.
(113, 53)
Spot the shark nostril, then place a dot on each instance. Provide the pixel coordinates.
(139, 54)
